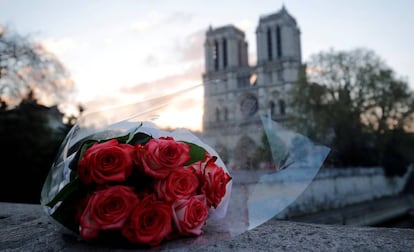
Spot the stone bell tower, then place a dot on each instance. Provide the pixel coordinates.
(279, 59)
(236, 94)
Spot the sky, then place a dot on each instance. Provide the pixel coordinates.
(128, 51)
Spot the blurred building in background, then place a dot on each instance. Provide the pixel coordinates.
(237, 94)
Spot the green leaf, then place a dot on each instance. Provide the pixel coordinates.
(197, 153)
(65, 192)
(128, 138)
(140, 138)
(66, 212)
(122, 139)
(63, 215)
(79, 154)
(73, 175)
(86, 145)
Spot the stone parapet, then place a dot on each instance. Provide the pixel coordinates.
(25, 227)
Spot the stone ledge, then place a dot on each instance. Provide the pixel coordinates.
(25, 227)
(367, 213)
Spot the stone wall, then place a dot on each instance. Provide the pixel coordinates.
(336, 188)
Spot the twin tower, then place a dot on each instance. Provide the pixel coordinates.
(236, 94)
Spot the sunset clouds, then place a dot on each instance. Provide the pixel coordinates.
(63, 45)
(155, 20)
(126, 52)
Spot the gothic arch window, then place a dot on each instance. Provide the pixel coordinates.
(216, 55)
(282, 107)
(249, 105)
(269, 44)
(278, 42)
(217, 114)
(224, 53)
(244, 153)
(279, 73)
(272, 108)
(240, 52)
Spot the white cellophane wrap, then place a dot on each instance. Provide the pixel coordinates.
(252, 196)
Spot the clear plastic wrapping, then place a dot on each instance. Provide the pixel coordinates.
(237, 199)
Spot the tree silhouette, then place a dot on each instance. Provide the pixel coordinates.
(353, 102)
(27, 67)
(28, 147)
(30, 132)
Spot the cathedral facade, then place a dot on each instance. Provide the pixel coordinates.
(236, 94)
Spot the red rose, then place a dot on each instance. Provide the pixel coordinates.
(199, 165)
(190, 215)
(179, 184)
(107, 209)
(149, 223)
(106, 162)
(214, 182)
(160, 156)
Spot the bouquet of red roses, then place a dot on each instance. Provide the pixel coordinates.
(119, 179)
(142, 187)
